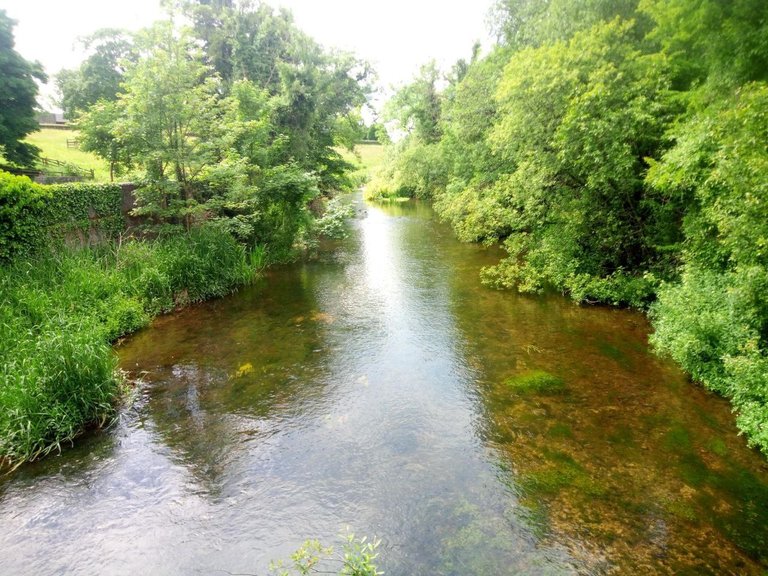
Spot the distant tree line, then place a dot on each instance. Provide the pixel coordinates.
(617, 149)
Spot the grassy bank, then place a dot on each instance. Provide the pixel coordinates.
(63, 309)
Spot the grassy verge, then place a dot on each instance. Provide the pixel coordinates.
(61, 311)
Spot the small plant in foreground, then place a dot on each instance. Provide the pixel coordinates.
(356, 559)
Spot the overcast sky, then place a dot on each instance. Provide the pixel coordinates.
(396, 36)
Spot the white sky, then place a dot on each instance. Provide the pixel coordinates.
(396, 36)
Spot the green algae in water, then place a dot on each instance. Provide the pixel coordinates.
(680, 508)
(561, 472)
(560, 430)
(536, 382)
(717, 446)
(612, 352)
(622, 436)
(678, 438)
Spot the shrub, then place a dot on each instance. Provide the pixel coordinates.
(30, 214)
(21, 206)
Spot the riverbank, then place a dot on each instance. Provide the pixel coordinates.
(63, 310)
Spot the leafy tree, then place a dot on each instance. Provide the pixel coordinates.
(571, 126)
(711, 40)
(18, 93)
(198, 150)
(258, 198)
(416, 106)
(714, 322)
(533, 23)
(100, 75)
(168, 120)
(171, 121)
(97, 135)
(617, 149)
(319, 93)
(377, 132)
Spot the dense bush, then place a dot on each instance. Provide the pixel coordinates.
(62, 310)
(32, 214)
(21, 208)
(84, 207)
(714, 321)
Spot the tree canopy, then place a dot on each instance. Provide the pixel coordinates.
(101, 73)
(18, 92)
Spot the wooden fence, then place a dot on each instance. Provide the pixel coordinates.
(49, 171)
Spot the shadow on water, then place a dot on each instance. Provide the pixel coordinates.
(381, 387)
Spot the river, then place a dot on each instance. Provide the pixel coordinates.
(374, 388)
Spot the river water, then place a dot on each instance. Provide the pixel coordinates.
(370, 389)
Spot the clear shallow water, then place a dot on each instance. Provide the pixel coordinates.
(368, 390)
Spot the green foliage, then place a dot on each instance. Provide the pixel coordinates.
(417, 172)
(53, 383)
(357, 558)
(168, 121)
(243, 131)
(532, 23)
(100, 74)
(86, 208)
(377, 132)
(239, 130)
(333, 222)
(709, 40)
(416, 106)
(317, 94)
(65, 307)
(617, 150)
(21, 207)
(33, 214)
(714, 322)
(18, 93)
(97, 135)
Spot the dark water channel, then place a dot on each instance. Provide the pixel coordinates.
(368, 390)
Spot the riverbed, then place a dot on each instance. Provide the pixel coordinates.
(373, 389)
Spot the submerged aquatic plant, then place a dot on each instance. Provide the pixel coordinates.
(537, 382)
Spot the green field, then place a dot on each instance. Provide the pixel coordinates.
(53, 144)
(371, 155)
(367, 158)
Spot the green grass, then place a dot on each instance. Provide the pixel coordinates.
(367, 158)
(53, 144)
(536, 382)
(372, 156)
(62, 310)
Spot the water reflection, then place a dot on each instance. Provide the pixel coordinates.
(375, 388)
